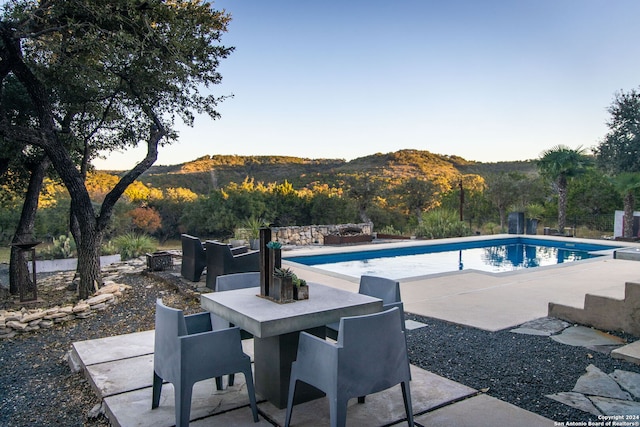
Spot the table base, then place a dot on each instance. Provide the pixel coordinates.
(272, 359)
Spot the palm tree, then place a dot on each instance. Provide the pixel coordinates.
(625, 183)
(560, 163)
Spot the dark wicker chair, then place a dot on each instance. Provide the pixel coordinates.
(222, 259)
(193, 258)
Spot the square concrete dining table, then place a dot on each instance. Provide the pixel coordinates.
(276, 328)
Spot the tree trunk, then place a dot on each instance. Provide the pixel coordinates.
(89, 263)
(629, 202)
(363, 215)
(503, 217)
(562, 203)
(18, 269)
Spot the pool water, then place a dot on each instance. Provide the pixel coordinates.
(495, 256)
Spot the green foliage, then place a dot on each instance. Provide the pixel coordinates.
(274, 245)
(560, 163)
(62, 247)
(592, 194)
(534, 211)
(137, 69)
(251, 228)
(109, 248)
(491, 228)
(620, 149)
(53, 220)
(285, 272)
(388, 229)
(132, 245)
(9, 214)
(442, 223)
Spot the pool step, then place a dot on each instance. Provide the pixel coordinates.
(604, 312)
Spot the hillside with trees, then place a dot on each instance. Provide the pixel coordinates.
(211, 172)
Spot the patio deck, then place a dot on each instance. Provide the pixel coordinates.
(120, 370)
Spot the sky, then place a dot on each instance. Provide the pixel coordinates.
(487, 80)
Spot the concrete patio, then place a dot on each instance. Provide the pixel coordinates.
(120, 368)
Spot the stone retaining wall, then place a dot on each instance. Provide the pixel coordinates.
(27, 320)
(314, 234)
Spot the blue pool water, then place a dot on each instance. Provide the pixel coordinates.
(493, 255)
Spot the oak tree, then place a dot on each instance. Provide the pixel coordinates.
(105, 75)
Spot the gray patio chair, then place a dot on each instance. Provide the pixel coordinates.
(230, 282)
(370, 356)
(194, 259)
(187, 350)
(222, 259)
(387, 290)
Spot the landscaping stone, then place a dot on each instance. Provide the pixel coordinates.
(610, 406)
(594, 339)
(16, 325)
(597, 383)
(598, 393)
(12, 321)
(630, 381)
(575, 400)
(545, 326)
(99, 299)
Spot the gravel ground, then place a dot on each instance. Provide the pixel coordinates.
(37, 387)
(519, 369)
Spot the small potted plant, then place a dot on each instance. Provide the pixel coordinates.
(300, 288)
(282, 285)
(252, 227)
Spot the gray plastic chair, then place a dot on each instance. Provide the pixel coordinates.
(186, 351)
(370, 356)
(387, 290)
(229, 282)
(194, 259)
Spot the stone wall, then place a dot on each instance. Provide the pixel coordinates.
(27, 320)
(314, 234)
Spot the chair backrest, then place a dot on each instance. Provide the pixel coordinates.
(373, 354)
(191, 246)
(229, 282)
(387, 290)
(219, 250)
(170, 325)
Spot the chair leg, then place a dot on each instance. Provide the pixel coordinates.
(157, 389)
(406, 397)
(219, 383)
(232, 378)
(183, 404)
(248, 377)
(292, 391)
(338, 411)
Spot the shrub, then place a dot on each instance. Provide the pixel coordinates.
(390, 230)
(132, 245)
(62, 247)
(108, 248)
(146, 220)
(442, 223)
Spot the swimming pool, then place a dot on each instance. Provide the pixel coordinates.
(490, 255)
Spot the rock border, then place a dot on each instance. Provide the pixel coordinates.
(28, 320)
